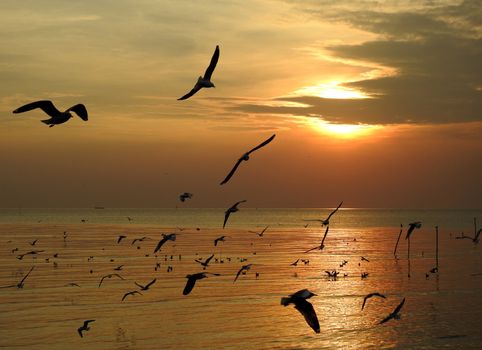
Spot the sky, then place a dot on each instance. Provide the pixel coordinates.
(376, 103)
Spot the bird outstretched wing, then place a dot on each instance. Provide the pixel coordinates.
(45, 105)
(80, 110)
(231, 173)
(308, 312)
(334, 211)
(195, 89)
(191, 281)
(212, 64)
(262, 144)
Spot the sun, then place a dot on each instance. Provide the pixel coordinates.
(343, 131)
(331, 90)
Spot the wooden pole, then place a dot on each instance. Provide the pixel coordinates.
(436, 247)
(398, 240)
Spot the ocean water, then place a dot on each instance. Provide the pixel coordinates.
(442, 310)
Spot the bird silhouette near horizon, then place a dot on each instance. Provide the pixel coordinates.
(232, 209)
(260, 234)
(184, 196)
(134, 292)
(322, 244)
(204, 263)
(192, 278)
(110, 276)
(474, 239)
(326, 222)
(394, 314)
(299, 299)
(368, 296)
(245, 157)
(243, 270)
(412, 226)
(57, 117)
(84, 327)
(120, 238)
(205, 81)
(147, 286)
(219, 239)
(165, 238)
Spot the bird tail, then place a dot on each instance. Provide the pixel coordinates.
(285, 301)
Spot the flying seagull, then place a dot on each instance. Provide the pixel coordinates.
(204, 263)
(394, 314)
(243, 268)
(121, 237)
(130, 293)
(204, 82)
(219, 239)
(232, 209)
(322, 245)
(85, 327)
(165, 238)
(260, 234)
(57, 117)
(138, 239)
(146, 287)
(412, 226)
(246, 157)
(304, 307)
(110, 276)
(369, 296)
(191, 280)
(326, 221)
(184, 196)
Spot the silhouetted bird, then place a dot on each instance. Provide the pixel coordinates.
(304, 307)
(369, 296)
(21, 283)
(394, 314)
(121, 237)
(118, 268)
(412, 226)
(33, 242)
(146, 287)
(110, 276)
(85, 327)
(130, 293)
(322, 244)
(204, 263)
(295, 263)
(245, 157)
(184, 196)
(243, 270)
(57, 117)
(165, 238)
(138, 239)
(204, 82)
(260, 234)
(191, 280)
(474, 239)
(325, 222)
(364, 259)
(219, 239)
(232, 209)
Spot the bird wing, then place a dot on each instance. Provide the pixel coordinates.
(262, 232)
(365, 300)
(191, 281)
(86, 322)
(262, 144)
(117, 275)
(216, 241)
(212, 65)
(25, 277)
(80, 110)
(308, 312)
(309, 250)
(45, 105)
(334, 211)
(79, 330)
(159, 245)
(477, 235)
(324, 236)
(239, 272)
(399, 307)
(231, 173)
(102, 280)
(195, 89)
(208, 259)
(140, 286)
(226, 216)
(151, 283)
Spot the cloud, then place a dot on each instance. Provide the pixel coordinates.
(435, 53)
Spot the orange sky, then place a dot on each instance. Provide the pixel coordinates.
(376, 104)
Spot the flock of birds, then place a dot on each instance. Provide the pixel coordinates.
(299, 299)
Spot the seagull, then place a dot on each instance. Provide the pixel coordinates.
(246, 157)
(191, 280)
(118, 268)
(138, 239)
(364, 259)
(33, 242)
(121, 237)
(304, 307)
(130, 293)
(72, 284)
(475, 239)
(326, 221)
(129, 218)
(260, 234)
(394, 314)
(184, 196)
(33, 252)
(369, 296)
(412, 226)
(146, 287)
(165, 238)
(219, 239)
(232, 209)
(321, 246)
(204, 263)
(244, 269)
(110, 276)
(57, 117)
(85, 327)
(204, 82)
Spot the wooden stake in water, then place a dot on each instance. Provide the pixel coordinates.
(436, 247)
(398, 240)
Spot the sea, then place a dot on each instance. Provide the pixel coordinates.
(80, 270)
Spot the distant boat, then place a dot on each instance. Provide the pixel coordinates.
(96, 207)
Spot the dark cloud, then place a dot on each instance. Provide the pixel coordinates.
(436, 54)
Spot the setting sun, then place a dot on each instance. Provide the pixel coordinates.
(344, 130)
(331, 90)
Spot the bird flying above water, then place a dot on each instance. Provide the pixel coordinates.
(205, 81)
(184, 196)
(110, 276)
(191, 280)
(394, 314)
(326, 222)
(57, 117)
(165, 238)
(412, 226)
(245, 157)
(370, 296)
(299, 299)
(244, 269)
(146, 287)
(131, 293)
(204, 263)
(232, 209)
(84, 327)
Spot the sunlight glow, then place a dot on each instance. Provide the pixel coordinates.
(331, 90)
(347, 131)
